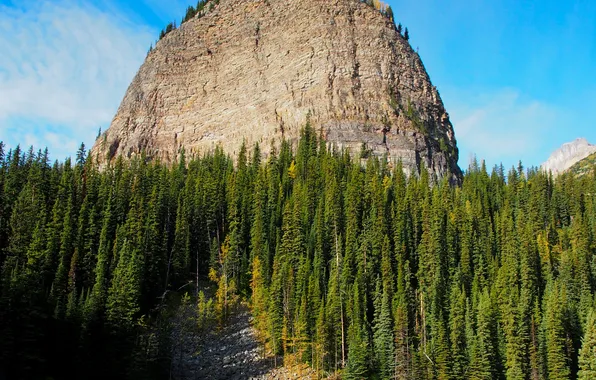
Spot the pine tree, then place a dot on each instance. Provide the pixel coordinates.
(587, 354)
(357, 366)
(383, 336)
(335, 313)
(180, 255)
(402, 326)
(355, 269)
(123, 299)
(259, 298)
(96, 303)
(483, 362)
(320, 341)
(457, 327)
(556, 358)
(60, 284)
(275, 308)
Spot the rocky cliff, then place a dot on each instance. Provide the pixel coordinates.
(255, 70)
(568, 155)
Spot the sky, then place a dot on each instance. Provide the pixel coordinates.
(518, 77)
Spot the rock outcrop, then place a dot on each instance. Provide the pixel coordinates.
(568, 155)
(256, 70)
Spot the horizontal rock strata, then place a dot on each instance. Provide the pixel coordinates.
(256, 70)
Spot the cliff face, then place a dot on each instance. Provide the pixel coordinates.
(568, 155)
(255, 70)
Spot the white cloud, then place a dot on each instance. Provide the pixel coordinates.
(64, 68)
(501, 126)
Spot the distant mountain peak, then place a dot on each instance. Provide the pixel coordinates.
(567, 155)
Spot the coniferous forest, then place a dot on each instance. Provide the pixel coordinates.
(346, 264)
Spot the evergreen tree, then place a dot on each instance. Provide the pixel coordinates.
(122, 306)
(383, 336)
(354, 268)
(357, 366)
(587, 355)
(484, 348)
(556, 358)
(457, 327)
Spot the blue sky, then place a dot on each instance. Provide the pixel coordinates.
(517, 76)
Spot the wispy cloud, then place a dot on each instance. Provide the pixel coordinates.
(64, 68)
(501, 126)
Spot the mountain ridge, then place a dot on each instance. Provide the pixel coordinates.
(568, 155)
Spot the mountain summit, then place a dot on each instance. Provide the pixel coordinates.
(567, 155)
(258, 70)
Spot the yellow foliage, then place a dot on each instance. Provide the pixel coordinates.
(225, 297)
(225, 250)
(259, 299)
(257, 287)
(205, 311)
(292, 171)
(379, 5)
(213, 275)
(386, 183)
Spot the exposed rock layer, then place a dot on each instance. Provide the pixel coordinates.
(255, 70)
(568, 155)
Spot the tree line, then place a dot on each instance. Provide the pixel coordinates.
(347, 264)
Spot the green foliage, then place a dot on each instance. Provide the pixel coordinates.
(585, 166)
(556, 355)
(383, 335)
(587, 355)
(359, 349)
(357, 270)
(205, 312)
(412, 115)
(170, 27)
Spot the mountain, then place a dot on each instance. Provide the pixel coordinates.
(584, 166)
(567, 155)
(257, 71)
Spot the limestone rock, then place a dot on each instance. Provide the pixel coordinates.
(568, 155)
(256, 70)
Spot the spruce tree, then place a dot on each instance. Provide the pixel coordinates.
(383, 336)
(457, 327)
(357, 366)
(556, 358)
(587, 354)
(122, 305)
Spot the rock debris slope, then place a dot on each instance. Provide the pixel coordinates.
(232, 353)
(256, 70)
(567, 155)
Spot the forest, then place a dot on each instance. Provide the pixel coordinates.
(346, 263)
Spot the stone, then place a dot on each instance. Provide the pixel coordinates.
(256, 71)
(568, 155)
